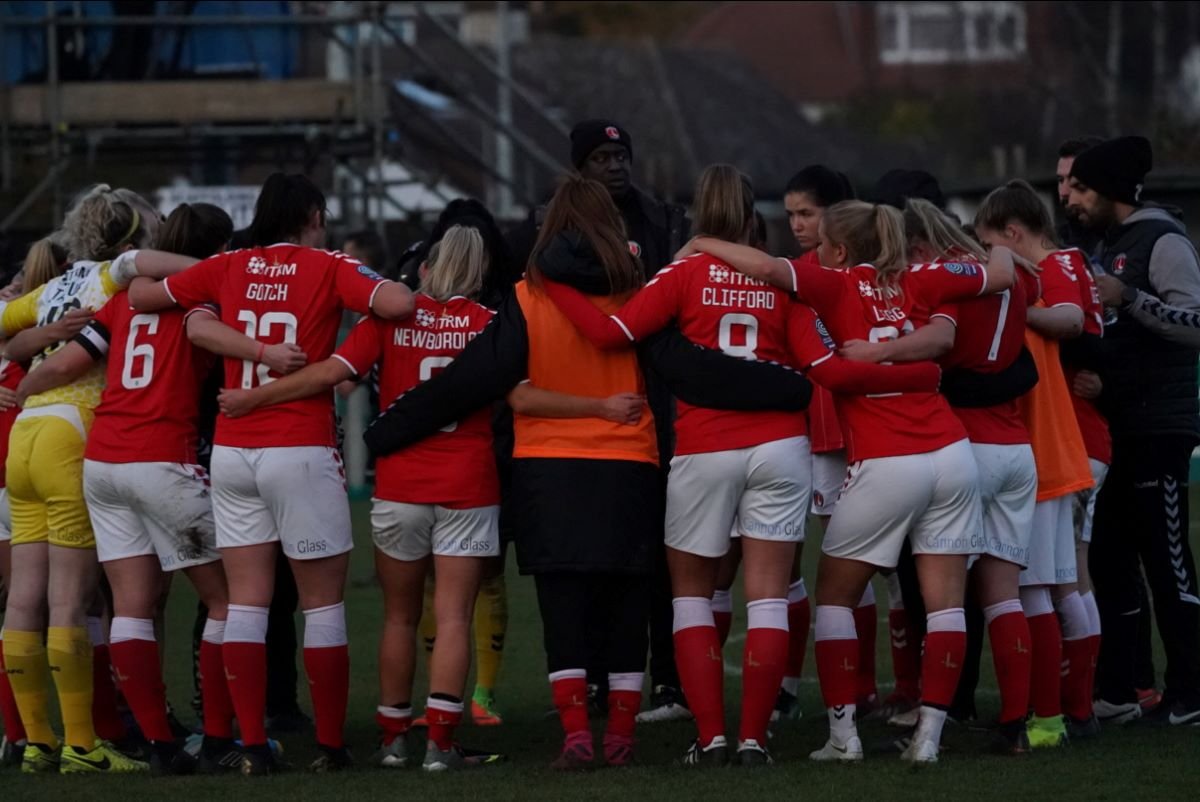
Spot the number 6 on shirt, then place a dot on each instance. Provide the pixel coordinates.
(260, 328)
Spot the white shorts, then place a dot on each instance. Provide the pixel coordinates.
(1007, 495)
(932, 499)
(414, 531)
(828, 476)
(1084, 506)
(293, 495)
(161, 509)
(5, 516)
(1052, 551)
(765, 488)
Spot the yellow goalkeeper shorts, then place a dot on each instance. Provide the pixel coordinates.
(45, 477)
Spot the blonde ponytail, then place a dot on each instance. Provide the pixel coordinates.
(925, 221)
(870, 234)
(46, 260)
(103, 222)
(456, 265)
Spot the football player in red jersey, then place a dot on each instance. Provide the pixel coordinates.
(808, 194)
(283, 290)
(437, 498)
(752, 468)
(985, 335)
(912, 474)
(1015, 216)
(147, 496)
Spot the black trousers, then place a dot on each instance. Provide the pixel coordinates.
(1142, 523)
(576, 606)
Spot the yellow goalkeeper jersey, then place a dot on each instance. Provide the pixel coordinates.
(85, 285)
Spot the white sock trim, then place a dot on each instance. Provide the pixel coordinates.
(767, 614)
(214, 632)
(797, 592)
(722, 601)
(952, 620)
(1073, 615)
(692, 611)
(246, 624)
(630, 681)
(868, 597)
(568, 673)
(325, 627)
(444, 705)
(96, 633)
(394, 712)
(834, 623)
(1093, 613)
(127, 629)
(998, 609)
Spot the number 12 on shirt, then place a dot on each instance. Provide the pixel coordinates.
(259, 328)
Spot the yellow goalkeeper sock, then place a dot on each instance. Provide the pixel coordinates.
(69, 650)
(491, 624)
(29, 676)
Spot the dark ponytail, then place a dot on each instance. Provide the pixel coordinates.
(196, 229)
(284, 207)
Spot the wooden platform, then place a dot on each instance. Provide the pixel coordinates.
(183, 102)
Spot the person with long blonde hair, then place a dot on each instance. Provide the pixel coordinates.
(912, 474)
(54, 548)
(436, 503)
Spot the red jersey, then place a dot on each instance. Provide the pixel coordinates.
(990, 333)
(150, 406)
(718, 307)
(824, 429)
(10, 376)
(456, 467)
(852, 307)
(279, 294)
(1092, 424)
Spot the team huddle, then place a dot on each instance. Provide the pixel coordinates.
(938, 397)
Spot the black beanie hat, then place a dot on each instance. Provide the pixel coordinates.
(897, 186)
(1116, 168)
(591, 134)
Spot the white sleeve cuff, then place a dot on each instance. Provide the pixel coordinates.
(124, 269)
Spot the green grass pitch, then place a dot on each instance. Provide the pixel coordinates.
(1133, 763)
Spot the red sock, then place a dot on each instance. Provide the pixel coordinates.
(906, 655)
(393, 726)
(138, 668)
(105, 717)
(1045, 691)
(763, 660)
(623, 708)
(328, 670)
(941, 667)
(799, 618)
(13, 729)
(1076, 692)
(570, 698)
(866, 623)
(1012, 656)
(724, 622)
(837, 668)
(1093, 658)
(246, 676)
(702, 674)
(443, 717)
(214, 690)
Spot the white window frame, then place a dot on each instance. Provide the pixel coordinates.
(905, 13)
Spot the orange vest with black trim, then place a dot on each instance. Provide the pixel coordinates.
(561, 360)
